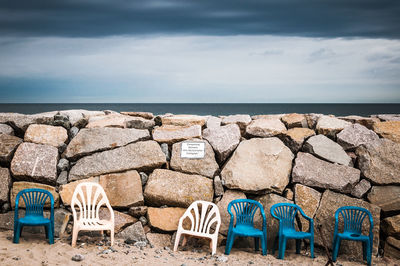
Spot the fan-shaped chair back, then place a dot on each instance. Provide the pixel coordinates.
(34, 199)
(89, 197)
(245, 210)
(285, 213)
(203, 215)
(353, 218)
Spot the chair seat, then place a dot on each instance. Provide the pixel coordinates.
(292, 233)
(247, 230)
(94, 224)
(353, 236)
(33, 220)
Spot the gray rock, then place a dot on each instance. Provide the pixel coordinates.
(295, 137)
(265, 128)
(379, 161)
(222, 259)
(361, 188)
(206, 166)
(218, 188)
(171, 188)
(224, 140)
(140, 123)
(330, 202)
(308, 199)
(367, 122)
(171, 134)
(355, 135)
(330, 126)
(21, 122)
(61, 219)
(392, 248)
(389, 117)
(133, 232)
(327, 149)
(241, 120)
(386, 197)
(258, 165)
(62, 120)
(6, 129)
(77, 115)
(165, 150)
(5, 184)
(62, 178)
(311, 171)
(142, 156)
(138, 211)
(143, 220)
(143, 177)
(229, 195)
(93, 140)
(78, 257)
(73, 132)
(63, 165)
(145, 115)
(213, 122)
(391, 226)
(312, 120)
(8, 145)
(35, 162)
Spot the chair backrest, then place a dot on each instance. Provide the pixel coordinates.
(353, 218)
(245, 209)
(89, 197)
(34, 199)
(202, 222)
(285, 213)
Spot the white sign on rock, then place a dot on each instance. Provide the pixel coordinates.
(192, 150)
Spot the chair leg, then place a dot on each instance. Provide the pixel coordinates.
(46, 230)
(177, 239)
(75, 232)
(256, 244)
(364, 246)
(20, 230)
(264, 245)
(184, 241)
(336, 245)
(112, 236)
(275, 244)
(51, 234)
(298, 246)
(17, 233)
(229, 244)
(312, 247)
(282, 247)
(369, 252)
(214, 242)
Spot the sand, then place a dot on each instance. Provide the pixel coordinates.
(34, 250)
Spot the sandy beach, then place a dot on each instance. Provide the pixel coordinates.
(34, 250)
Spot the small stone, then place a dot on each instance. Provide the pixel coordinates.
(288, 193)
(5, 184)
(73, 132)
(78, 257)
(218, 188)
(140, 244)
(165, 150)
(361, 188)
(222, 259)
(139, 123)
(143, 177)
(62, 179)
(143, 220)
(138, 211)
(63, 165)
(62, 120)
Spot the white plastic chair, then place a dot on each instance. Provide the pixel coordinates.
(89, 197)
(201, 224)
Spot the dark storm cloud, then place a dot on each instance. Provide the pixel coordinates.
(99, 18)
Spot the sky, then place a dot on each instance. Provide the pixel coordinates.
(200, 51)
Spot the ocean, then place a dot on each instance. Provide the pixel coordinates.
(338, 109)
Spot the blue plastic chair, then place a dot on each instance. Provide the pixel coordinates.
(245, 210)
(286, 214)
(353, 218)
(35, 200)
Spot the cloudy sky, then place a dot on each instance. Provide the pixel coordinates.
(200, 51)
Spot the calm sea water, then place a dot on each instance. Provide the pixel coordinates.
(212, 108)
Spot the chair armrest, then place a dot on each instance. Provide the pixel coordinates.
(336, 223)
(232, 218)
(51, 208)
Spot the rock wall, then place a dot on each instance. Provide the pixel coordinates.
(317, 161)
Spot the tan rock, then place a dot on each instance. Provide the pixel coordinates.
(165, 219)
(142, 156)
(171, 188)
(392, 248)
(295, 137)
(389, 130)
(66, 191)
(257, 165)
(206, 166)
(45, 134)
(229, 195)
(386, 197)
(145, 115)
(308, 199)
(6, 129)
(21, 121)
(18, 186)
(213, 122)
(265, 128)
(184, 120)
(330, 126)
(391, 226)
(112, 120)
(159, 240)
(171, 134)
(8, 145)
(121, 220)
(276, 116)
(367, 122)
(35, 162)
(294, 120)
(241, 120)
(5, 184)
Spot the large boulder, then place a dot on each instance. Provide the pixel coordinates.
(224, 140)
(171, 134)
(90, 140)
(386, 197)
(361, 188)
(144, 155)
(391, 226)
(355, 135)
(392, 248)
(325, 216)
(35, 162)
(171, 188)
(111, 120)
(389, 130)
(327, 149)
(311, 171)
(122, 189)
(308, 199)
(74, 116)
(158, 240)
(6, 129)
(61, 219)
(145, 115)
(165, 219)
(21, 122)
(295, 137)
(229, 195)
(272, 224)
(213, 122)
(367, 122)
(18, 186)
(45, 134)
(206, 166)
(8, 145)
(5, 184)
(388, 117)
(259, 165)
(265, 128)
(379, 161)
(241, 120)
(184, 120)
(294, 120)
(133, 233)
(330, 126)
(121, 220)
